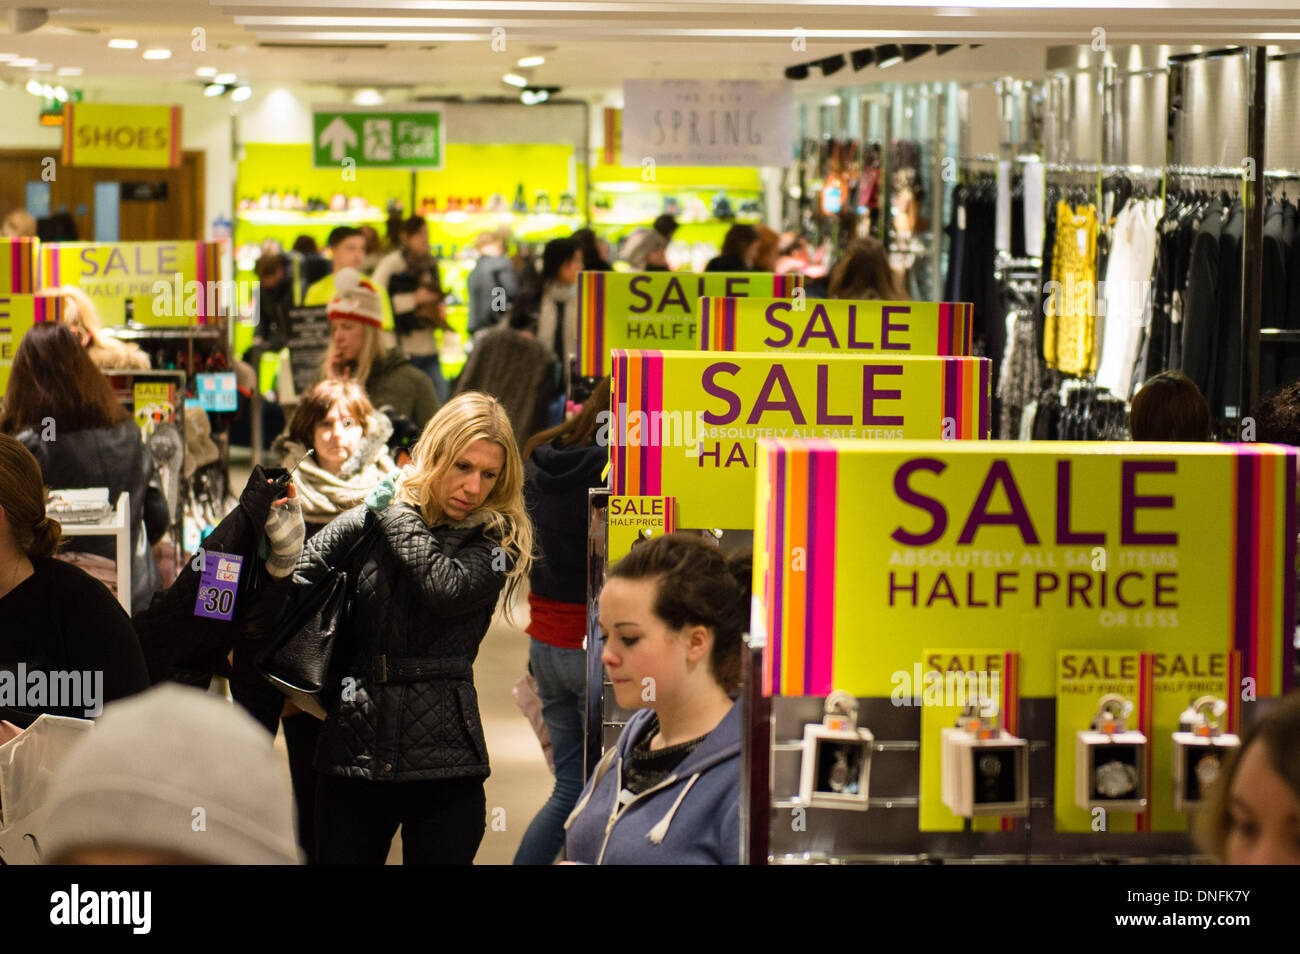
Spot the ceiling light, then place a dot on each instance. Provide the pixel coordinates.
(225, 79)
(241, 93)
(941, 48)
(832, 64)
(797, 72)
(514, 79)
(367, 97)
(47, 91)
(123, 44)
(24, 61)
(861, 59)
(912, 50)
(70, 71)
(41, 67)
(206, 71)
(34, 87)
(60, 94)
(6, 57)
(888, 55)
(832, 100)
(529, 98)
(213, 89)
(529, 61)
(158, 54)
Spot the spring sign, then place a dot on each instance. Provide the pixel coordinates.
(686, 424)
(865, 554)
(803, 324)
(655, 309)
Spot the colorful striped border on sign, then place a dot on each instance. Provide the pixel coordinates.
(800, 589)
(1264, 480)
(637, 387)
(18, 271)
(591, 325)
(1144, 722)
(956, 328)
(718, 323)
(968, 422)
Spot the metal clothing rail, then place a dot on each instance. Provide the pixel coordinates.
(1208, 172)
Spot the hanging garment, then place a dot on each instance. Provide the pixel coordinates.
(1127, 288)
(1020, 384)
(1068, 332)
(1227, 366)
(1201, 302)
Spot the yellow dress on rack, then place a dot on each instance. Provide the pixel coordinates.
(1069, 332)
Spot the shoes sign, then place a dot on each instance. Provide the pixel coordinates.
(383, 137)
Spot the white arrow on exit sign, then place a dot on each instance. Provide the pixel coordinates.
(338, 135)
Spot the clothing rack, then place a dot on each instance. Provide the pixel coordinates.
(1208, 172)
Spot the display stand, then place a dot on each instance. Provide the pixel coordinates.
(119, 527)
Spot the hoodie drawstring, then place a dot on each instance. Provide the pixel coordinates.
(660, 830)
(601, 768)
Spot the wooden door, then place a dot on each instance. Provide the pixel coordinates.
(180, 216)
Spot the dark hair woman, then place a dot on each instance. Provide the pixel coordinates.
(592, 260)
(60, 406)
(738, 248)
(557, 319)
(1169, 407)
(672, 616)
(53, 616)
(1253, 816)
(864, 274)
(406, 747)
(560, 466)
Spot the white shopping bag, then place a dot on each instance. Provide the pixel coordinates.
(27, 763)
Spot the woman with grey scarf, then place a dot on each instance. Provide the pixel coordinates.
(347, 440)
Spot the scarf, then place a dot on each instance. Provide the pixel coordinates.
(324, 495)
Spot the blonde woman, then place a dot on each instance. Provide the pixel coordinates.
(107, 353)
(357, 352)
(402, 743)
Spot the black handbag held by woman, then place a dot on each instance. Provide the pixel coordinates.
(298, 657)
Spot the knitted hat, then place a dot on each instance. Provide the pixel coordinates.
(174, 770)
(355, 298)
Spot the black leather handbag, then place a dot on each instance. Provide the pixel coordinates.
(298, 658)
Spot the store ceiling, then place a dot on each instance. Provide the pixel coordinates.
(591, 45)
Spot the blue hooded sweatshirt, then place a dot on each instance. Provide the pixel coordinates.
(691, 818)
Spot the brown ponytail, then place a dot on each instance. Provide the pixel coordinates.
(22, 494)
(698, 585)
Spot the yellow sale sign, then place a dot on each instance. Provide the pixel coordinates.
(685, 424)
(865, 554)
(655, 309)
(17, 315)
(928, 328)
(178, 282)
(130, 137)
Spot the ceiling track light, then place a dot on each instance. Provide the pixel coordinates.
(941, 48)
(832, 64)
(888, 54)
(799, 72)
(913, 50)
(861, 59)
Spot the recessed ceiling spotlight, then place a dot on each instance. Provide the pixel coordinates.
(528, 61)
(24, 61)
(241, 93)
(225, 79)
(206, 71)
(158, 54)
(123, 44)
(70, 71)
(514, 79)
(213, 89)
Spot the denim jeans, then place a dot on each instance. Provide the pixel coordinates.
(562, 684)
(430, 365)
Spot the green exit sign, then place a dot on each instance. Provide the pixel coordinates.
(382, 137)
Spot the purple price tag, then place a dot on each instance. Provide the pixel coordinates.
(218, 585)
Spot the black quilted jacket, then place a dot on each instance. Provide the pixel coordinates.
(423, 603)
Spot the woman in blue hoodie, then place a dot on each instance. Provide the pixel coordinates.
(672, 615)
(560, 466)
